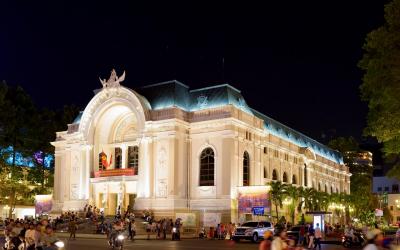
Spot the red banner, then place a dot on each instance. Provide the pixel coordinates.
(114, 172)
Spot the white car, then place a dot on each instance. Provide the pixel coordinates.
(252, 230)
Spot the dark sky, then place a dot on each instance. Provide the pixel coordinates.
(295, 62)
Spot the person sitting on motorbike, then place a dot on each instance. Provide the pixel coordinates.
(49, 238)
(116, 228)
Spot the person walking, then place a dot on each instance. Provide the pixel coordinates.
(266, 243)
(398, 235)
(133, 229)
(279, 243)
(311, 236)
(148, 230)
(72, 226)
(302, 233)
(374, 239)
(318, 237)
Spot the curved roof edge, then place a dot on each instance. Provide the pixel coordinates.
(278, 129)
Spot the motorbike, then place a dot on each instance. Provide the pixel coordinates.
(202, 233)
(176, 235)
(117, 241)
(347, 241)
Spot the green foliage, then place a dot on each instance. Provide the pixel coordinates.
(344, 144)
(277, 194)
(381, 83)
(367, 218)
(28, 131)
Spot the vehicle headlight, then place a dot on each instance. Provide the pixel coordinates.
(120, 237)
(59, 244)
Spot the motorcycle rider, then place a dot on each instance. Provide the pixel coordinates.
(116, 228)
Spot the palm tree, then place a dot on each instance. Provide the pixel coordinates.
(307, 198)
(293, 193)
(277, 194)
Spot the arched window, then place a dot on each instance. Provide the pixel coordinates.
(305, 175)
(274, 175)
(294, 179)
(265, 172)
(118, 158)
(246, 169)
(207, 167)
(326, 188)
(284, 177)
(331, 190)
(319, 186)
(133, 159)
(337, 190)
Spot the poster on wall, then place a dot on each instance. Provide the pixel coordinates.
(250, 198)
(43, 203)
(188, 219)
(211, 219)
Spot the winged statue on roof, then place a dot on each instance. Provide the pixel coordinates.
(113, 81)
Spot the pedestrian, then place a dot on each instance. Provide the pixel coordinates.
(164, 228)
(318, 237)
(398, 235)
(148, 230)
(374, 239)
(72, 226)
(310, 236)
(302, 233)
(266, 243)
(279, 243)
(133, 230)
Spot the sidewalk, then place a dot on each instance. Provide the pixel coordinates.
(137, 237)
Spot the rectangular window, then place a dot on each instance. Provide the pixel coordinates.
(286, 157)
(276, 153)
(379, 189)
(265, 150)
(133, 159)
(395, 188)
(386, 189)
(118, 158)
(295, 160)
(391, 208)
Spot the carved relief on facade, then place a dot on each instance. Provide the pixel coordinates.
(74, 191)
(162, 170)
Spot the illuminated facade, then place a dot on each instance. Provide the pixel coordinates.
(174, 149)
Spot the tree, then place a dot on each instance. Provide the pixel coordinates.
(277, 194)
(308, 198)
(344, 144)
(293, 193)
(381, 84)
(16, 125)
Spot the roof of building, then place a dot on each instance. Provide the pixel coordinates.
(176, 94)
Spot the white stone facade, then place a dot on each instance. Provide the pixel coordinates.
(170, 142)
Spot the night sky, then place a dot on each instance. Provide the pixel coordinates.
(295, 62)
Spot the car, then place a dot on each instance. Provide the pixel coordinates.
(252, 230)
(294, 233)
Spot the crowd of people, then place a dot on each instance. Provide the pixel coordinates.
(29, 234)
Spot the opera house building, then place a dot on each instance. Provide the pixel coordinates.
(176, 150)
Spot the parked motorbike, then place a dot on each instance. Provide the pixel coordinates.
(348, 242)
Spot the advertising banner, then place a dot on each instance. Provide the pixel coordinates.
(250, 197)
(188, 219)
(43, 203)
(211, 219)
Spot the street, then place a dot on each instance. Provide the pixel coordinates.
(101, 244)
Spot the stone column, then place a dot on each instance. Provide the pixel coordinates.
(145, 185)
(124, 156)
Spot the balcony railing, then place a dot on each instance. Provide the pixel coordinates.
(115, 172)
